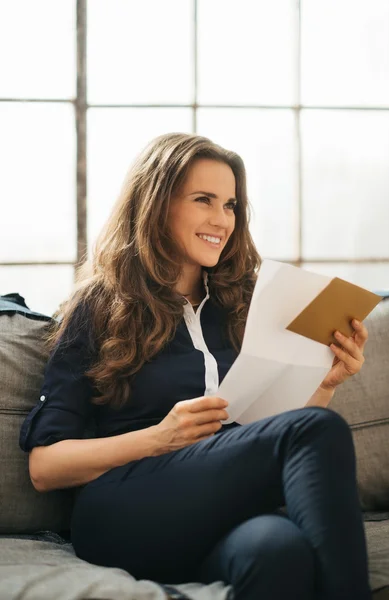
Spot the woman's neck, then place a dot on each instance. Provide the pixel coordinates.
(191, 285)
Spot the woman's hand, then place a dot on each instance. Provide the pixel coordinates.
(349, 358)
(190, 421)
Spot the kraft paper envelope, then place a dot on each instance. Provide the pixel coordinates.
(333, 309)
(277, 370)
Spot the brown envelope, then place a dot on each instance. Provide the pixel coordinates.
(333, 309)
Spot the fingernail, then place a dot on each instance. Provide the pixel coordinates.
(356, 322)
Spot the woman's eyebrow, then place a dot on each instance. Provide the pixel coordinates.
(211, 195)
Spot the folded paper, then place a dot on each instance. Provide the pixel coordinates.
(285, 354)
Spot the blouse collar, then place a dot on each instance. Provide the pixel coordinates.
(207, 295)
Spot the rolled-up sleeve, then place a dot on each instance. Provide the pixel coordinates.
(63, 406)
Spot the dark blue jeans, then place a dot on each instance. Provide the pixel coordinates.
(210, 512)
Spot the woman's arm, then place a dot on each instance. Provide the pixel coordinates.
(70, 463)
(321, 397)
(73, 462)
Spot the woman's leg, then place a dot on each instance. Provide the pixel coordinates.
(159, 517)
(264, 557)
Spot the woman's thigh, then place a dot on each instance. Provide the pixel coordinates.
(159, 516)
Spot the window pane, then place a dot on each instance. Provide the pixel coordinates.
(345, 52)
(247, 51)
(345, 184)
(37, 183)
(140, 52)
(38, 48)
(265, 141)
(115, 137)
(42, 287)
(372, 276)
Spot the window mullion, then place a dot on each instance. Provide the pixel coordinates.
(80, 110)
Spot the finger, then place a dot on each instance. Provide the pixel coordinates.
(208, 429)
(352, 365)
(350, 345)
(361, 334)
(208, 416)
(206, 403)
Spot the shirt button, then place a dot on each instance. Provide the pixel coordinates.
(42, 398)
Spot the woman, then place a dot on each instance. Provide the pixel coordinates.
(155, 322)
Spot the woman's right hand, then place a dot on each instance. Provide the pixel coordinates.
(190, 421)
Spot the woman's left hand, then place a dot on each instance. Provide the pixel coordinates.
(348, 359)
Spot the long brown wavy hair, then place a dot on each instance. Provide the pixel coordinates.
(126, 291)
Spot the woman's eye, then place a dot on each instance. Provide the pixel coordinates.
(205, 199)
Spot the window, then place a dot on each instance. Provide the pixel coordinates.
(299, 89)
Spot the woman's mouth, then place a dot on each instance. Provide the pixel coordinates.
(210, 240)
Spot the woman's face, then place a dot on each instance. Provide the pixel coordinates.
(201, 215)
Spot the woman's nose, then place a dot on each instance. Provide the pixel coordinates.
(218, 218)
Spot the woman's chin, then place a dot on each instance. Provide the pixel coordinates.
(210, 262)
(204, 260)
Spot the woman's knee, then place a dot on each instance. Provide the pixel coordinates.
(275, 556)
(279, 544)
(328, 435)
(330, 422)
(266, 554)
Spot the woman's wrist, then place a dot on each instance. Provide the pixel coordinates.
(322, 397)
(155, 444)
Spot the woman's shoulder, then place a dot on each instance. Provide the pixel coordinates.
(79, 330)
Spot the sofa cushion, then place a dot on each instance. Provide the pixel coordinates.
(377, 537)
(363, 400)
(22, 361)
(32, 568)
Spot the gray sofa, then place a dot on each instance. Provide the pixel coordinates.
(37, 561)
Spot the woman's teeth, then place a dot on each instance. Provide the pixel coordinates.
(209, 238)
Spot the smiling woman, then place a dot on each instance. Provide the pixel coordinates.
(132, 355)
